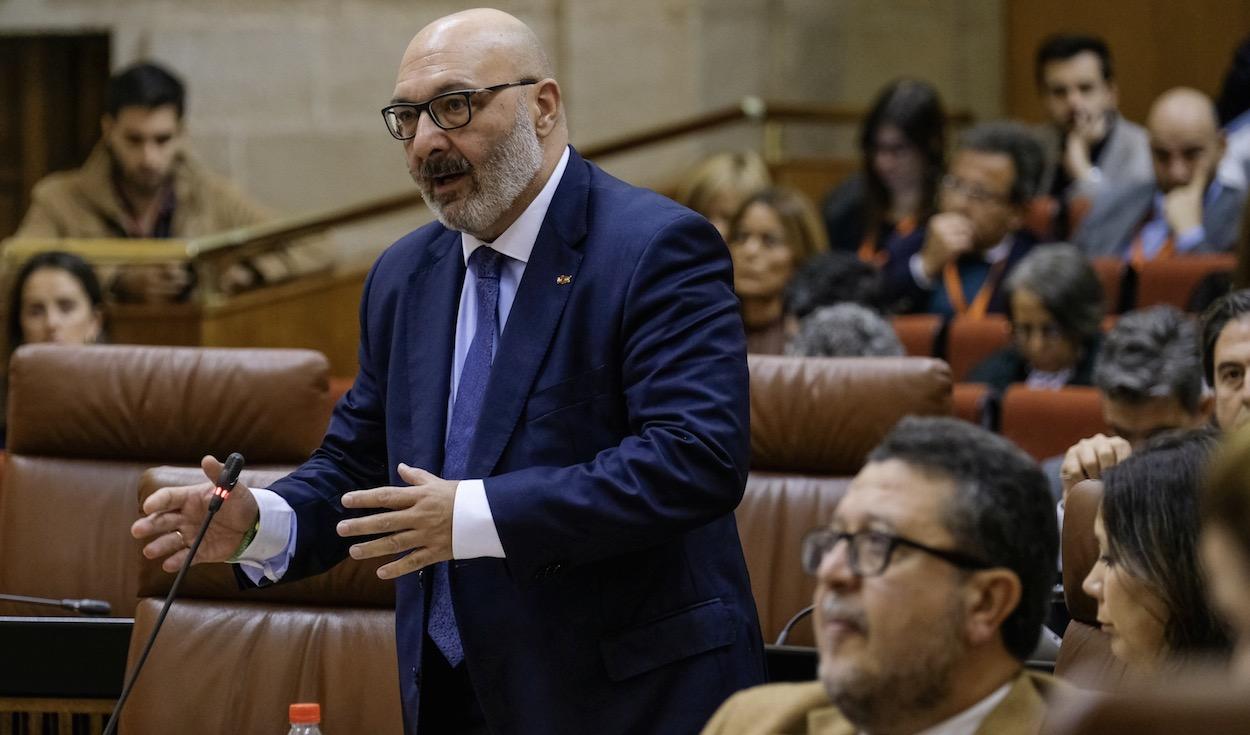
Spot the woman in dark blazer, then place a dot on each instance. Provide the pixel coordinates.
(1055, 305)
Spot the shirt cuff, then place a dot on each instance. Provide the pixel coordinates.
(270, 553)
(473, 532)
(1191, 238)
(916, 265)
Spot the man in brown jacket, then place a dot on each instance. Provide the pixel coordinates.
(140, 181)
(932, 582)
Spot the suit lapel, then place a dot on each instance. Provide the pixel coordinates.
(536, 311)
(432, 307)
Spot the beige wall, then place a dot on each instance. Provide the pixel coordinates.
(284, 94)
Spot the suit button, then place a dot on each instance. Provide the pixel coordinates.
(416, 676)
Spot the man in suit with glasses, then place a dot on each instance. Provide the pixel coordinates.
(932, 581)
(548, 433)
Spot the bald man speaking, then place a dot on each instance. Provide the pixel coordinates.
(1186, 208)
(548, 433)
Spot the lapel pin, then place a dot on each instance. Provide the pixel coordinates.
(563, 280)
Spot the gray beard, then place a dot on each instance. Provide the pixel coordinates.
(917, 683)
(497, 181)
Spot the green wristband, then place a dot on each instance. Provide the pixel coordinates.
(247, 541)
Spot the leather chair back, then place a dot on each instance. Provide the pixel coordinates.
(970, 340)
(1172, 280)
(1111, 275)
(245, 662)
(1045, 423)
(85, 422)
(917, 332)
(1085, 652)
(813, 423)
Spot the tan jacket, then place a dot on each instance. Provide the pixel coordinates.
(804, 709)
(83, 203)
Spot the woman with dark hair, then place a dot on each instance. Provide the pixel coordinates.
(56, 297)
(1148, 581)
(902, 148)
(1055, 306)
(773, 234)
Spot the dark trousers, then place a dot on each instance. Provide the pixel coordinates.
(448, 704)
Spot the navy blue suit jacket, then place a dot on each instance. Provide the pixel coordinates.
(614, 443)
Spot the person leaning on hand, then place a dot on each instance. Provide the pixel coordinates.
(544, 443)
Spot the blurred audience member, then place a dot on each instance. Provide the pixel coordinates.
(932, 582)
(1055, 305)
(1225, 543)
(1088, 144)
(1147, 581)
(772, 235)
(1233, 102)
(902, 148)
(958, 261)
(141, 181)
(1149, 372)
(717, 187)
(1186, 208)
(55, 297)
(1149, 375)
(1226, 357)
(845, 330)
(833, 278)
(1234, 110)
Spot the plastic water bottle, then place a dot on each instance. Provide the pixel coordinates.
(305, 719)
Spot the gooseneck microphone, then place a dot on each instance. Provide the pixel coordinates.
(226, 481)
(86, 607)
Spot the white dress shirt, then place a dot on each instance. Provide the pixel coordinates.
(473, 531)
(969, 721)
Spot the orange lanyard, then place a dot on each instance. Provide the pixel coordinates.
(955, 290)
(1139, 250)
(868, 246)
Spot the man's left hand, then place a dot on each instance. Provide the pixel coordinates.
(1183, 205)
(419, 521)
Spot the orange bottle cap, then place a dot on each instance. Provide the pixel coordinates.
(305, 713)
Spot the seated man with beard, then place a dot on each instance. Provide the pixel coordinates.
(932, 581)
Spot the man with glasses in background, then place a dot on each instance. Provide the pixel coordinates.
(932, 581)
(548, 434)
(1187, 207)
(957, 263)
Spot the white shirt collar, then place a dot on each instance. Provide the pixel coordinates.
(967, 722)
(517, 242)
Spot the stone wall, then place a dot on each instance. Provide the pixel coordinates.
(284, 94)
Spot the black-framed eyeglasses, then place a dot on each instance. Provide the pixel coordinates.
(974, 192)
(1049, 332)
(869, 552)
(449, 110)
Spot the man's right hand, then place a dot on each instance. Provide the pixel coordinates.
(948, 236)
(1090, 458)
(158, 283)
(174, 516)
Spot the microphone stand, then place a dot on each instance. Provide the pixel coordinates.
(225, 483)
(86, 607)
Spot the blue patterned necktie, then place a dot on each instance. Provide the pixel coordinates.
(464, 415)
